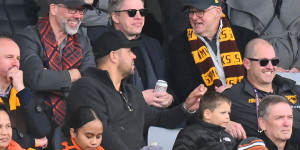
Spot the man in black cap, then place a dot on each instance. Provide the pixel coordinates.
(206, 52)
(120, 105)
(53, 54)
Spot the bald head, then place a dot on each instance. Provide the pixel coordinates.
(9, 56)
(257, 44)
(7, 42)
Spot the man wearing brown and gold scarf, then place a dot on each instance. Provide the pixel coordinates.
(54, 52)
(206, 52)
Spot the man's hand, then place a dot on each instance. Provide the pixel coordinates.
(222, 88)
(74, 74)
(157, 99)
(163, 99)
(294, 70)
(192, 101)
(90, 2)
(42, 142)
(236, 130)
(15, 76)
(279, 69)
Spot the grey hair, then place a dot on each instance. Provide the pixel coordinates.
(115, 5)
(267, 101)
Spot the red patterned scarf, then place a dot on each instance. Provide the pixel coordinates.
(70, 58)
(231, 58)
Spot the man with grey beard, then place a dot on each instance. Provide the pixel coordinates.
(54, 52)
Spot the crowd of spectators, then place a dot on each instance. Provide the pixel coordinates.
(82, 74)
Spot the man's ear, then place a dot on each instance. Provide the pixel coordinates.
(115, 17)
(246, 63)
(262, 123)
(113, 56)
(53, 9)
(219, 12)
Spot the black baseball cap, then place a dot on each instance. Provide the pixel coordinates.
(111, 41)
(201, 4)
(72, 3)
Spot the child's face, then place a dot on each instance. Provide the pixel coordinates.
(220, 116)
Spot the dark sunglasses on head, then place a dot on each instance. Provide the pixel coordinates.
(264, 62)
(132, 12)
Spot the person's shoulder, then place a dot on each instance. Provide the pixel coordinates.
(28, 31)
(237, 88)
(195, 128)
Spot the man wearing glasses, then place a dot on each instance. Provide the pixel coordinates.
(206, 52)
(128, 16)
(261, 63)
(53, 54)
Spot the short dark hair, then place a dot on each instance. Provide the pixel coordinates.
(3, 108)
(79, 118)
(269, 100)
(211, 100)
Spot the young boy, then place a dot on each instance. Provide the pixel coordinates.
(209, 132)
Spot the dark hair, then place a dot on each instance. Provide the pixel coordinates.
(268, 101)
(211, 100)
(79, 118)
(3, 108)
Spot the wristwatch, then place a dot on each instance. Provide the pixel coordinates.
(187, 110)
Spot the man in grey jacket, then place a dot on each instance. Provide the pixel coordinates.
(276, 21)
(54, 52)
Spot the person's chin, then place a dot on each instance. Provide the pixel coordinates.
(91, 148)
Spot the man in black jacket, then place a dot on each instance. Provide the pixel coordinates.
(260, 62)
(128, 16)
(276, 125)
(121, 106)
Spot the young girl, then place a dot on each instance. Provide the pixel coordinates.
(6, 142)
(83, 130)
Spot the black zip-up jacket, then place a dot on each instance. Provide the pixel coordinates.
(271, 146)
(122, 129)
(243, 107)
(204, 136)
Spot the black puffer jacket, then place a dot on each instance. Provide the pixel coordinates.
(204, 136)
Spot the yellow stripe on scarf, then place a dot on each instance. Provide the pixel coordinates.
(14, 101)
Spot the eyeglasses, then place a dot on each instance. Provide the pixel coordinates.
(265, 62)
(73, 11)
(197, 12)
(132, 12)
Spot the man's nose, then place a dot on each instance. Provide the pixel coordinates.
(16, 63)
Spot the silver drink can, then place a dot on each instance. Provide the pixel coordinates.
(161, 86)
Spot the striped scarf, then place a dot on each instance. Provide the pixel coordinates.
(71, 58)
(231, 58)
